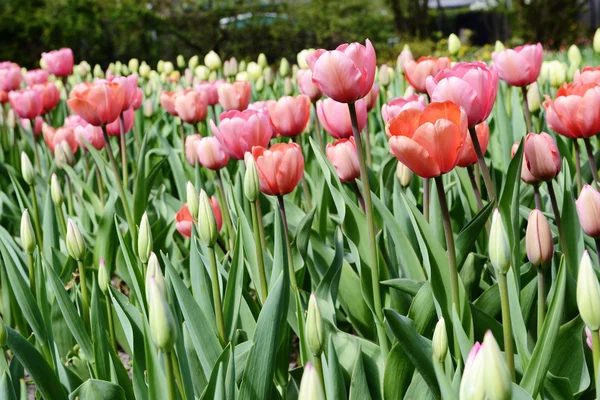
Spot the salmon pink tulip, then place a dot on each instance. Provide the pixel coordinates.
(100, 103)
(191, 106)
(468, 156)
(519, 66)
(90, 134)
(335, 117)
(429, 142)
(280, 167)
(289, 115)
(216, 208)
(138, 99)
(307, 86)
(50, 95)
(59, 62)
(396, 106)
(130, 87)
(184, 220)
(234, 96)
(27, 103)
(114, 128)
(53, 137)
(526, 175)
(36, 77)
(404, 56)
(239, 131)
(344, 158)
(588, 210)
(10, 76)
(587, 75)
(542, 156)
(210, 153)
(574, 112)
(190, 148)
(417, 72)
(167, 101)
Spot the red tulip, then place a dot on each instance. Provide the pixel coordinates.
(429, 142)
(396, 106)
(216, 208)
(90, 134)
(50, 95)
(335, 117)
(306, 85)
(240, 131)
(59, 62)
(519, 66)
(36, 77)
(468, 156)
(53, 137)
(345, 74)
(234, 96)
(574, 113)
(280, 167)
(417, 72)
(588, 209)
(526, 175)
(289, 115)
(587, 75)
(184, 221)
(371, 98)
(542, 156)
(27, 103)
(10, 76)
(99, 104)
(342, 154)
(210, 153)
(114, 128)
(191, 106)
(210, 91)
(37, 128)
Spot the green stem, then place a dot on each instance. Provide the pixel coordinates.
(177, 372)
(61, 219)
(85, 297)
(475, 187)
(541, 311)
(261, 228)
(70, 203)
(482, 165)
(578, 165)
(36, 154)
(536, 195)
(303, 182)
(111, 324)
(319, 368)
(264, 287)
(526, 109)
(182, 138)
(364, 176)
(558, 222)
(225, 210)
(100, 185)
(214, 275)
(426, 194)
(596, 358)
(439, 181)
(123, 149)
(506, 324)
(171, 385)
(36, 217)
(592, 161)
(288, 245)
(368, 144)
(31, 273)
(318, 129)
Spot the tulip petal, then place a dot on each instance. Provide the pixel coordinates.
(85, 110)
(414, 156)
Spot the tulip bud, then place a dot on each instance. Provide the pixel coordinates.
(384, 75)
(27, 235)
(498, 245)
(3, 334)
(202, 72)
(499, 46)
(242, 76)
(533, 97)
(260, 84)
(471, 384)
(11, 119)
(145, 70)
(207, 223)
(284, 67)
(497, 382)
(557, 73)
(404, 174)
(588, 293)
(314, 327)
(542, 156)
(251, 182)
(193, 62)
(212, 60)
(288, 87)
(440, 341)
(63, 155)
(310, 385)
(295, 72)
(301, 58)
(538, 239)
(262, 60)
(124, 70)
(27, 169)
(192, 200)
(148, 108)
(153, 271)
(162, 323)
(454, 44)
(98, 72)
(144, 239)
(254, 70)
(242, 66)
(180, 61)
(269, 76)
(75, 243)
(55, 191)
(160, 66)
(596, 44)
(103, 277)
(588, 210)
(574, 56)
(134, 65)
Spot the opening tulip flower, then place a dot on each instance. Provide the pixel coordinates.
(417, 72)
(27, 103)
(574, 112)
(587, 75)
(191, 106)
(59, 62)
(167, 101)
(335, 117)
(289, 115)
(429, 142)
(36, 77)
(280, 167)
(50, 95)
(100, 103)
(345, 74)
(240, 131)
(519, 66)
(210, 91)
(10, 76)
(53, 137)
(234, 96)
(396, 106)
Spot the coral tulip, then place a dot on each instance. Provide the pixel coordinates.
(114, 128)
(587, 75)
(191, 106)
(280, 167)
(36, 77)
(542, 156)
(130, 87)
(234, 96)
(90, 134)
(344, 158)
(210, 153)
(417, 72)
(345, 74)
(526, 175)
(10, 76)
(289, 115)
(167, 101)
(574, 112)
(50, 95)
(306, 85)
(588, 209)
(184, 220)
(59, 62)
(519, 66)
(335, 117)
(240, 131)
(99, 104)
(468, 156)
(429, 142)
(216, 208)
(53, 137)
(396, 106)
(27, 103)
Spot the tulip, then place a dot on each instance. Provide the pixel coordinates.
(234, 96)
(520, 66)
(162, 323)
(404, 174)
(251, 181)
(231, 67)
(130, 88)
(472, 382)
(212, 60)
(499, 247)
(588, 293)
(184, 221)
(63, 154)
(56, 191)
(168, 67)
(207, 222)
(588, 337)
(210, 153)
(240, 131)
(439, 342)
(472, 86)
(345, 74)
(210, 91)
(306, 85)
(301, 58)
(314, 327)
(167, 101)
(468, 156)
(538, 239)
(153, 271)
(242, 76)
(574, 55)
(27, 169)
(37, 126)
(596, 44)
(180, 60)
(289, 115)
(114, 128)
(53, 137)
(27, 103)
(74, 241)
(384, 75)
(59, 62)
(90, 134)
(193, 62)
(148, 108)
(335, 117)
(191, 106)
(404, 56)
(555, 72)
(284, 67)
(145, 241)
(342, 154)
(99, 104)
(417, 72)
(397, 105)
(50, 95)
(191, 154)
(499, 46)
(311, 387)
(429, 142)
(533, 97)
(588, 210)
(261, 61)
(216, 209)
(103, 277)
(27, 235)
(498, 382)
(371, 98)
(254, 71)
(10, 76)
(542, 156)
(573, 112)
(202, 72)
(36, 76)
(454, 44)
(526, 175)
(192, 199)
(280, 167)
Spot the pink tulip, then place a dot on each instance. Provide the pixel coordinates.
(167, 101)
(130, 88)
(344, 158)
(588, 337)
(10, 76)
(542, 156)
(335, 117)
(138, 99)
(468, 156)
(210, 91)
(472, 86)
(90, 134)
(114, 128)
(371, 98)
(404, 56)
(99, 104)
(306, 85)
(53, 137)
(36, 77)
(59, 62)
(191, 106)
(234, 96)
(27, 103)
(289, 115)
(210, 153)
(345, 74)
(587, 75)
(73, 121)
(184, 221)
(520, 66)
(216, 208)
(396, 106)
(526, 175)
(574, 113)
(588, 210)
(50, 95)
(191, 155)
(239, 131)
(37, 128)
(280, 167)
(417, 72)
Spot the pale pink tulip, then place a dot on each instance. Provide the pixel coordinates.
(396, 106)
(519, 66)
(239, 131)
(36, 77)
(167, 101)
(335, 117)
(371, 98)
(191, 155)
(37, 128)
(50, 95)
(114, 128)
(210, 91)
(210, 153)
(588, 210)
(587, 75)
(542, 156)
(306, 85)
(53, 137)
(10, 76)
(27, 103)
(191, 106)
(344, 158)
(90, 134)
(234, 96)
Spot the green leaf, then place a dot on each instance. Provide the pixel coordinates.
(408, 286)
(106, 247)
(99, 320)
(470, 232)
(49, 227)
(134, 269)
(93, 389)
(233, 291)
(7, 391)
(335, 387)
(359, 387)
(568, 358)
(398, 373)
(445, 385)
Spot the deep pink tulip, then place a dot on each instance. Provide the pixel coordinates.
(345, 74)
(239, 131)
(526, 175)
(10, 76)
(371, 98)
(588, 210)
(210, 91)
(519, 66)
(99, 104)
(417, 72)
(90, 134)
(191, 106)
(36, 77)
(27, 103)
(396, 106)
(53, 137)
(50, 95)
(542, 156)
(234, 96)
(587, 75)
(472, 86)
(59, 62)
(344, 158)
(335, 117)
(289, 115)
(280, 167)
(307, 86)
(574, 112)
(114, 128)
(37, 128)
(468, 156)
(167, 101)
(210, 153)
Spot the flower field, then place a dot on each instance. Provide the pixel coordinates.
(322, 229)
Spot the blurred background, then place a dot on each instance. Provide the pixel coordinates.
(102, 31)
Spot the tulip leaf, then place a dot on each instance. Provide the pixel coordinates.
(335, 387)
(399, 370)
(7, 391)
(470, 232)
(359, 387)
(93, 389)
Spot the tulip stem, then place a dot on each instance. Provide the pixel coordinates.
(475, 187)
(36, 154)
(31, 273)
(225, 210)
(482, 165)
(361, 201)
(214, 275)
(439, 181)
(36, 216)
(526, 109)
(592, 161)
(426, 196)
(123, 149)
(364, 176)
(261, 228)
(541, 311)
(264, 287)
(578, 165)
(536, 195)
(100, 185)
(598, 249)
(61, 219)
(70, 203)
(318, 128)
(182, 138)
(368, 144)
(288, 244)
(305, 188)
(111, 323)
(596, 358)
(115, 168)
(558, 222)
(171, 385)
(84, 294)
(506, 324)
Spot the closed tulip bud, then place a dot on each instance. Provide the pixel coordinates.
(498, 46)
(454, 44)
(180, 61)
(242, 76)
(588, 293)
(153, 271)
(3, 334)
(310, 385)
(124, 70)
(207, 223)
(471, 384)
(56, 191)
(538, 239)
(497, 382)
(27, 169)
(574, 55)
(440, 341)
(148, 108)
(314, 327)
(134, 65)
(295, 72)
(588, 210)
(284, 67)
(262, 60)
(384, 75)
(103, 277)
(212, 60)
(213, 76)
(404, 174)
(301, 58)
(63, 155)
(162, 323)
(596, 44)
(11, 119)
(269, 76)
(193, 62)
(498, 245)
(145, 70)
(254, 70)
(160, 66)
(557, 73)
(27, 236)
(288, 87)
(98, 72)
(251, 181)
(533, 97)
(145, 239)
(542, 156)
(192, 199)
(168, 67)
(75, 243)
(242, 66)
(260, 84)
